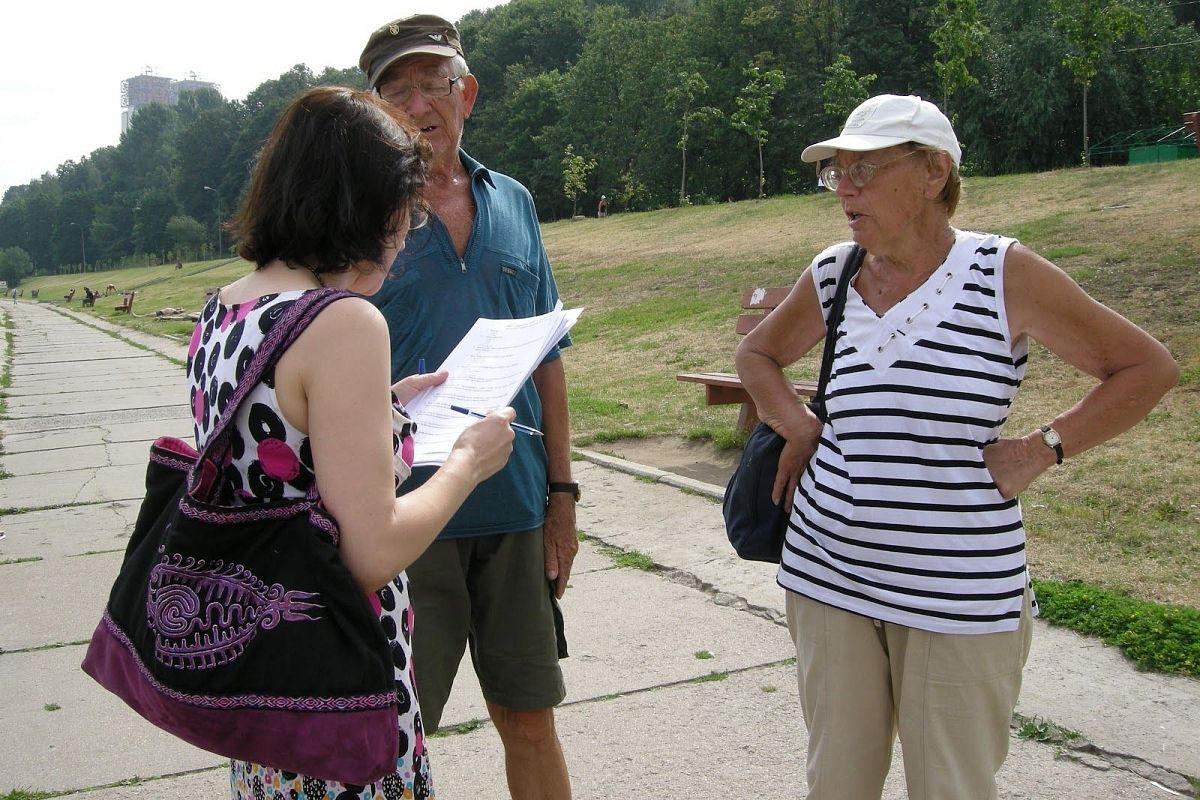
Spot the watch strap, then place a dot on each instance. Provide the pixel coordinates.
(1057, 442)
(563, 488)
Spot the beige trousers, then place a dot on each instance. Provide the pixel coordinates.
(949, 696)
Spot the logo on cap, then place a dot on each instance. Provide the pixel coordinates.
(393, 29)
(860, 116)
(437, 37)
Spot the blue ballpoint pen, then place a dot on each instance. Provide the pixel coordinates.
(515, 425)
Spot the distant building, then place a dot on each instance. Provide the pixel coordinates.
(142, 90)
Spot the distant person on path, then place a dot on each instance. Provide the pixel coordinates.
(907, 592)
(602, 207)
(493, 577)
(329, 205)
(14, 295)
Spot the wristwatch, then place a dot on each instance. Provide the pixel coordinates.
(565, 488)
(1052, 440)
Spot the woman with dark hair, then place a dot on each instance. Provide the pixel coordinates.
(332, 197)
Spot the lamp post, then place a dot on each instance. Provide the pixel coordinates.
(82, 251)
(220, 252)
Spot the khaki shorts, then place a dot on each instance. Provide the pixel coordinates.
(489, 592)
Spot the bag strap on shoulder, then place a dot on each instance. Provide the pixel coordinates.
(298, 316)
(852, 265)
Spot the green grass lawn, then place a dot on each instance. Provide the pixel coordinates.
(662, 288)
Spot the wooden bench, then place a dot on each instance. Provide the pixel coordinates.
(725, 388)
(89, 298)
(69, 296)
(126, 306)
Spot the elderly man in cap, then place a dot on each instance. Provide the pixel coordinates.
(493, 577)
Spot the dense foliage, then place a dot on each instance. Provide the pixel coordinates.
(674, 101)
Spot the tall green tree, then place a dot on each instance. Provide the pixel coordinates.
(844, 89)
(576, 169)
(186, 235)
(15, 265)
(681, 98)
(891, 39)
(958, 40)
(754, 109)
(1091, 27)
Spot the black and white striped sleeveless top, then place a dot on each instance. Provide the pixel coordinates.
(896, 517)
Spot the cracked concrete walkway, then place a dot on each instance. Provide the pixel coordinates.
(679, 682)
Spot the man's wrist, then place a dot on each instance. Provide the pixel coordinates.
(563, 489)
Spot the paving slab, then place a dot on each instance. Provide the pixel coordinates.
(83, 457)
(93, 485)
(165, 375)
(58, 422)
(119, 399)
(70, 531)
(89, 738)
(682, 532)
(629, 630)
(177, 423)
(204, 783)
(62, 597)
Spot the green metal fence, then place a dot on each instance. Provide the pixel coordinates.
(1145, 146)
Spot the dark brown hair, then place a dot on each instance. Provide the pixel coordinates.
(338, 173)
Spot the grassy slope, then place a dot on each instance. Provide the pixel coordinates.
(662, 288)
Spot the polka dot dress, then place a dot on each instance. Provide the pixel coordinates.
(270, 459)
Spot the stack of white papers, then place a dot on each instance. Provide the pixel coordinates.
(487, 369)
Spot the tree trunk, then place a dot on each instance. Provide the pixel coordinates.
(683, 178)
(761, 179)
(1087, 158)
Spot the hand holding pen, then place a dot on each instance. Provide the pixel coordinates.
(516, 426)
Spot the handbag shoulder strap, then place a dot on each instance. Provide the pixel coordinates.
(298, 316)
(852, 265)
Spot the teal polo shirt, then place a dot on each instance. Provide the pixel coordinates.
(431, 298)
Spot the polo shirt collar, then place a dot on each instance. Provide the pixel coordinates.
(476, 170)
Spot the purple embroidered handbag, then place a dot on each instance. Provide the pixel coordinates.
(238, 629)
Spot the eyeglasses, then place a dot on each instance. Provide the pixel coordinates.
(859, 173)
(430, 88)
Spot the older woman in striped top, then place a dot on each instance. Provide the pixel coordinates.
(907, 591)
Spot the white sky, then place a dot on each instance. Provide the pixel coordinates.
(62, 61)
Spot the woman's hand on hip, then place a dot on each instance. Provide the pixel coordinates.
(1015, 463)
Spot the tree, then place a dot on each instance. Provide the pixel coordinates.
(843, 89)
(958, 38)
(754, 109)
(186, 233)
(15, 264)
(688, 87)
(1090, 28)
(576, 168)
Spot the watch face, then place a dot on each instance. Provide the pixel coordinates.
(1051, 437)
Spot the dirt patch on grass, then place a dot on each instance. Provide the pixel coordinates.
(698, 460)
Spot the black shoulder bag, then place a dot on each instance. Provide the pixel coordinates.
(755, 526)
(238, 629)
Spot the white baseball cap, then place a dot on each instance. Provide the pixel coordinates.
(886, 120)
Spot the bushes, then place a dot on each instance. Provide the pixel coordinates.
(1155, 637)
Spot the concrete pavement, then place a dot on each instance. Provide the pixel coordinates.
(679, 682)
